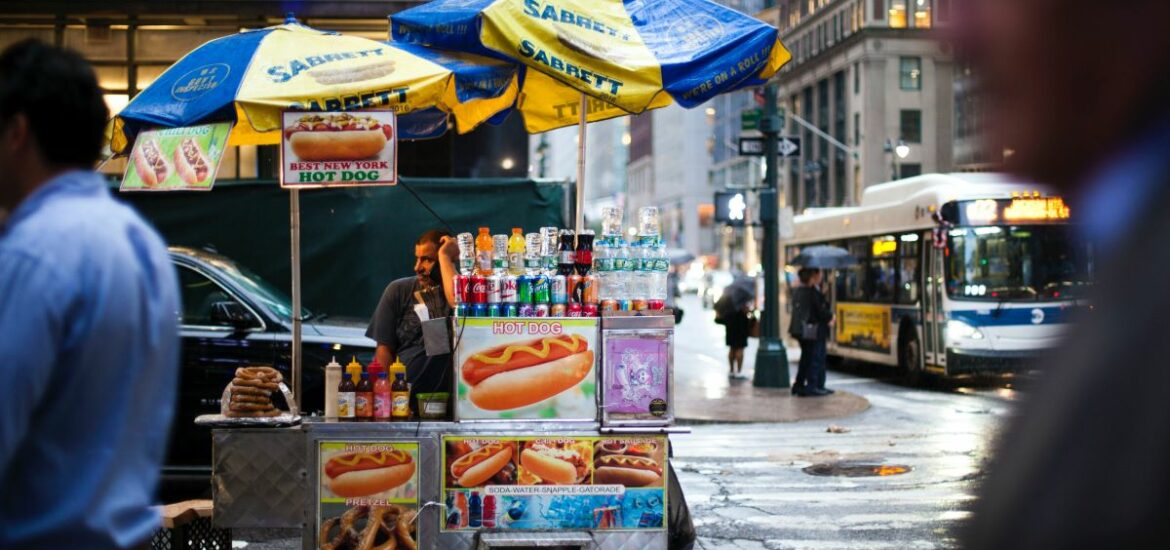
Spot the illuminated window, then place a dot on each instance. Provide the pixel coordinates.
(897, 15)
(910, 73)
(921, 14)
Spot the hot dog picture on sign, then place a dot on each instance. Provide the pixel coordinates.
(332, 149)
(526, 369)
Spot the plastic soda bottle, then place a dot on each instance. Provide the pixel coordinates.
(516, 248)
(483, 252)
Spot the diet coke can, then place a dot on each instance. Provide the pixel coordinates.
(479, 289)
(462, 289)
(574, 310)
(508, 289)
(590, 310)
(494, 290)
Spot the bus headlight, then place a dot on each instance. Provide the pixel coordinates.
(959, 329)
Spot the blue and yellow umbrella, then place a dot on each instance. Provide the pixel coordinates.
(251, 77)
(633, 54)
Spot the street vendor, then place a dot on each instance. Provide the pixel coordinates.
(397, 322)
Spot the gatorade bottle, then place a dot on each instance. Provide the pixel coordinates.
(483, 253)
(516, 249)
(475, 511)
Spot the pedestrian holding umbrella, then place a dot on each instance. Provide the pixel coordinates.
(823, 257)
(733, 311)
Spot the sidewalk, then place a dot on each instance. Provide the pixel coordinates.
(703, 393)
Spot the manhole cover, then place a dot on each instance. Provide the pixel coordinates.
(855, 469)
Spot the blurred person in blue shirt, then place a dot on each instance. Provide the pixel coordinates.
(88, 326)
(1080, 91)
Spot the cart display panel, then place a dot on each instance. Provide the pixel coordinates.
(368, 493)
(526, 369)
(554, 482)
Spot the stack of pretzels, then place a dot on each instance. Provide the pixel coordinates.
(385, 528)
(251, 393)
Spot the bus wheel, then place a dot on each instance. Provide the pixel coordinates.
(910, 357)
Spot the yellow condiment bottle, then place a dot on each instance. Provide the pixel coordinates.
(354, 370)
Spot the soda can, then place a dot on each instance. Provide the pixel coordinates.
(557, 310)
(494, 292)
(656, 305)
(508, 289)
(524, 289)
(639, 304)
(574, 288)
(479, 289)
(610, 305)
(478, 310)
(527, 310)
(625, 305)
(589, 287)
(590, 310)
(511, 310)
(560, 289)
(462, 289)
(540, 289)
(574, 310)
(493, 310)
(461, 310)
(541, 310)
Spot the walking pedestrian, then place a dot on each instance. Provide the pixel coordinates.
(811, 317)
(1083, 462)
(88, 321)
(738, 325)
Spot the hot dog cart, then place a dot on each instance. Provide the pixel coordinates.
(476, 482)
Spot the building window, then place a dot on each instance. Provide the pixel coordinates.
(911, 126)
(897, 14)
(879, 9)
(911, 73)
(921, 14)
(857, 129)
(909, 170)
(856, 78)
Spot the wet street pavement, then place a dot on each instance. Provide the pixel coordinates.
(747, 488)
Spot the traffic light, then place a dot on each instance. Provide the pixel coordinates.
(731, 207)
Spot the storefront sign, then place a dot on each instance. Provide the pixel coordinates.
(637, 368)
(543, 483)
(339, 149)
(538, 369)
(176, 159)
(367, 487)
(864, 327)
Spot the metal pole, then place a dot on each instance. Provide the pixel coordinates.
(294, 198)
(581, 163)
(771, 357)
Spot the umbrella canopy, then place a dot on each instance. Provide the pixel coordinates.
(823, 257)
(251, 77)
(741, 292)
(632, 55)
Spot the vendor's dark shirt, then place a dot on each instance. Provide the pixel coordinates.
(395, 324)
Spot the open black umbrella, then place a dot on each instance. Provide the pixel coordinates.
(823, 257)
(740, 292)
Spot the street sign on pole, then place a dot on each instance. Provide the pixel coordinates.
(751, 147)
(789, 147)
(749, 119)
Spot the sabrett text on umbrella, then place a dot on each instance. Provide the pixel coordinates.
(599, 81)
(381, 98)
(549, 12)
(286, 71)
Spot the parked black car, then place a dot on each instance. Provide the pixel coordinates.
(232, 318)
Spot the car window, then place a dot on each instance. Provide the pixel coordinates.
(199, 295)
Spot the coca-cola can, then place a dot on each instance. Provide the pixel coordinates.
(508, 289)
(462, 289)
(574, 310)
(479, 289)
(656, 305)
(541, 310)
(590, 310)
(560, 289)
(494, 289)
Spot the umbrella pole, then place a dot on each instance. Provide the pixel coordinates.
(295, 228)
(581, 164)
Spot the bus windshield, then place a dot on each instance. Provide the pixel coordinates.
(1017, 263)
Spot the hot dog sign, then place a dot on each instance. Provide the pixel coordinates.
(339, 149)
(176, 159)
(526, 369)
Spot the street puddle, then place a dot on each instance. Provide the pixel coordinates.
(855, 469)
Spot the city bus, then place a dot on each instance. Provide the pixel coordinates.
(956, 273)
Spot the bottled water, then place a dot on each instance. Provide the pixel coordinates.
(659, 276)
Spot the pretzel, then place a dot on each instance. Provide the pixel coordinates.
(250, 407)
(393, 524)
(249, 390)
(253, 414)
(263, 374)
(255, 383)
(246, 398)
